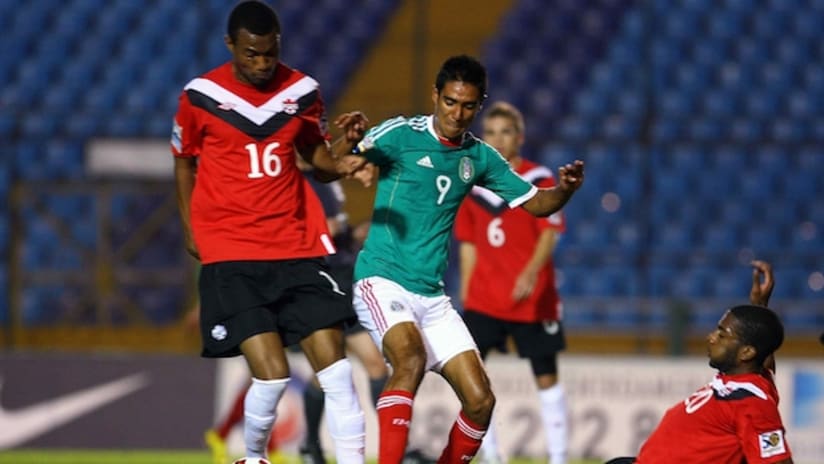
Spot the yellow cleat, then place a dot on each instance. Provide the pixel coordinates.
(277, 457)
(217, 445)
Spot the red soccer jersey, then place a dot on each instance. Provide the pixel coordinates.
(250, 201)
(734, 417)
(504, 240)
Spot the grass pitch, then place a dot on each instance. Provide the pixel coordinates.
(143, 457)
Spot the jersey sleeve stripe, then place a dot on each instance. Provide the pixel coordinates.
(386, 126)
(524, 198)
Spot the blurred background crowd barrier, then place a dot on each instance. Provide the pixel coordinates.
(701, 122)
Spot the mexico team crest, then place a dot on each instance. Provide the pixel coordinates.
(466, 170)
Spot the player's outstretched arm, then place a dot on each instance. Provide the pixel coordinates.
(762, 283)
(548, 201)
(334, 161)
(185, 170)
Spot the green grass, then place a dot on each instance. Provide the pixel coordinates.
(138, 457)
(103, 457)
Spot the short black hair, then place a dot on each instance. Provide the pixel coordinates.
(463, 68)
(759, 327)
(254, 16)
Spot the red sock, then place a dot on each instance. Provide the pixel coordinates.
(464, 441)
(394, 415)
(234, 417)
(272, 444)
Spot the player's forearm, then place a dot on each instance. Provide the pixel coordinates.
(322, 160)
(467, 264)
(547, 201)
(542, 252)
(332, 162)
(185, 170)
(342, 147)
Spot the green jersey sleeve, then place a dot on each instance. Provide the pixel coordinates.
(503, 180)
(379, 144)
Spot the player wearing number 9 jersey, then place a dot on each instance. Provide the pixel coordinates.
(258, 228)
(428, 164)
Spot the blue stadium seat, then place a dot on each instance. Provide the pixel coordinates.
(580, 316)
(766, 237)
(672, 236)
(661, 279)
(693, 283)
(720, 238)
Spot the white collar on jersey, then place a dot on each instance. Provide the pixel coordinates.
(727, 388)
(430, 125)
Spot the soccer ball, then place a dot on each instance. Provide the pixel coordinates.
(251, 461)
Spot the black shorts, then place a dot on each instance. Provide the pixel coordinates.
(534, 340)
(239, 299)
(343, 275)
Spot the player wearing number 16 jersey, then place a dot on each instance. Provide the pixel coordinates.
(428, 164)
(252, 219)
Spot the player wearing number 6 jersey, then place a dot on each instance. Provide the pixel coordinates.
(252, 219)
(508, 279)
(428, 164)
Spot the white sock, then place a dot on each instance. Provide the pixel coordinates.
(344, 415)
(554, 415)
(489, 446)
(259, 413)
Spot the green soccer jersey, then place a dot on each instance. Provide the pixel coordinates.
(421, 185)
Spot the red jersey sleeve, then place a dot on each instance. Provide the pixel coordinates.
(316, 129)
(464, 222)
(186, 137)
(761, 432)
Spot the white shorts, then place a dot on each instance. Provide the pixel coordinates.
(381, 303)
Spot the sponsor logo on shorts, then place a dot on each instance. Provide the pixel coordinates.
(219, 332)
(551, 327)
(396, 306)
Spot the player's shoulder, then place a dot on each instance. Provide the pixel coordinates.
(286, 75)
(396, 126)
(744, 387)
(216, 75)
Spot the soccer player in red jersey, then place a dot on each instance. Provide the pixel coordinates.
(508, 279)
(259, 231)
(734, 418)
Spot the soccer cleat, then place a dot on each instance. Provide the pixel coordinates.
(251, 461)
(491, 458)
(311, 454)
(276, 457)
(217, 445)
(415, 456)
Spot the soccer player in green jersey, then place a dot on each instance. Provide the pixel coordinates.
(427, 165)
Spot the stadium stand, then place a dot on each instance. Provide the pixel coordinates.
(722, 104)
(701, 121)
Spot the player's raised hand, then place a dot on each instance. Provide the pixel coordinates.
(365, 175)
(762, 283)
(571, 176)
(353, 124)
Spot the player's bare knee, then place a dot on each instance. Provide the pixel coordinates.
(479, 406)
(409, 363)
